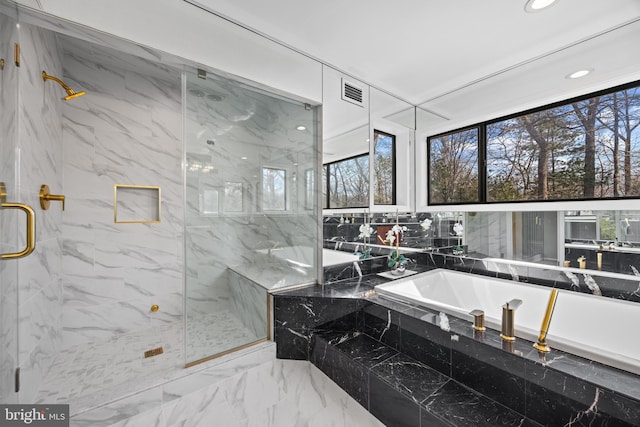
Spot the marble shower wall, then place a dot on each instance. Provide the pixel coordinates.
(232, 132)
(40, 162)
(126, 130)
(486, 231)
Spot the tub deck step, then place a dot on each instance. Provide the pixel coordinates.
(401, 391)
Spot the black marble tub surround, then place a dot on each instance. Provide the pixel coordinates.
(619, 286)
(558, 390)
(401, 391)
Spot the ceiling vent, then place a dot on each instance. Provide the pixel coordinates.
(352, 93)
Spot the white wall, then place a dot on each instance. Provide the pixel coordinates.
(186, 31)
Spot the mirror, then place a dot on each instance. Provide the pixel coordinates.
(551, 237)
(605, 240)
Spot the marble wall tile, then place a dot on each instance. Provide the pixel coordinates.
(124, 131)
(40, 131)
(249, 302)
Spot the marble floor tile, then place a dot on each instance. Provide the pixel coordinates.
(93, 374)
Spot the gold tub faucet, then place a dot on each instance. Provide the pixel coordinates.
(508, 323)
(541, 345)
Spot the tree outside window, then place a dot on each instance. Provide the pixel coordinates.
(274, 183)
(453, 167)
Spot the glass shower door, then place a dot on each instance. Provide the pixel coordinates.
(251, 220)
(10, 223)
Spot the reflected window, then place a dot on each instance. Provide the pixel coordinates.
(209, 201)
(274, 189)
(384, 168)
(453, 167)
(348, 182)
(309, 186)
(233, 197)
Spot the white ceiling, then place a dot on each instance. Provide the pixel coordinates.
(449, 56)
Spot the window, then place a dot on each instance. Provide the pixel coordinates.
(233, 197)
(384, 168)
(348, 182)
(274, 189)
(581, 149)
(453, 167)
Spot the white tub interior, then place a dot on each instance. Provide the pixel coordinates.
(593, 327)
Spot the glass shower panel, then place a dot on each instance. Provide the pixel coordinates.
(11, 222)
(251, 222)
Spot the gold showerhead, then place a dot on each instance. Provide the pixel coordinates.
(70, 92)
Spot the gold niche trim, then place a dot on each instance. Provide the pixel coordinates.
(135, 187)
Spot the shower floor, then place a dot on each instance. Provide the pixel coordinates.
(213, 333)
(93, 374)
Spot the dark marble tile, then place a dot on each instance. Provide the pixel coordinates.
(351, 376)
(603, 376)
(335, 314)
(323, 348)
(426, 343)
(461, 406)
(366, 351)
(390, 406)
(493, 372)
(555, 398)
(409, 377)
(293, 312)
(292, 344)
(383, 324)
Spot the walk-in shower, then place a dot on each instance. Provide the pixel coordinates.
(100, 309)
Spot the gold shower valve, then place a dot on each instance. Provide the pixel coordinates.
(154, 308)
(46, 197)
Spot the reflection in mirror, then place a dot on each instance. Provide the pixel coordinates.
(391, 127)
(603, 240)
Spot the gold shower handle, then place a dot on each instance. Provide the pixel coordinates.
(31, 230)
(46, 197)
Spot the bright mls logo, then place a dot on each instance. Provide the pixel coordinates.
(34, 415)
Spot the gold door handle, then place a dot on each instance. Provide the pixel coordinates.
(31, 230)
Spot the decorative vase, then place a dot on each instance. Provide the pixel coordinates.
(398, 269)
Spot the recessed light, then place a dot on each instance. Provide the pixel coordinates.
(301, 127)
(578, 74)
(243, 158)
(533, 6)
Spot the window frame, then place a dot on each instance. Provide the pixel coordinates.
(328, 183)
(394, 172)
(482, 152)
